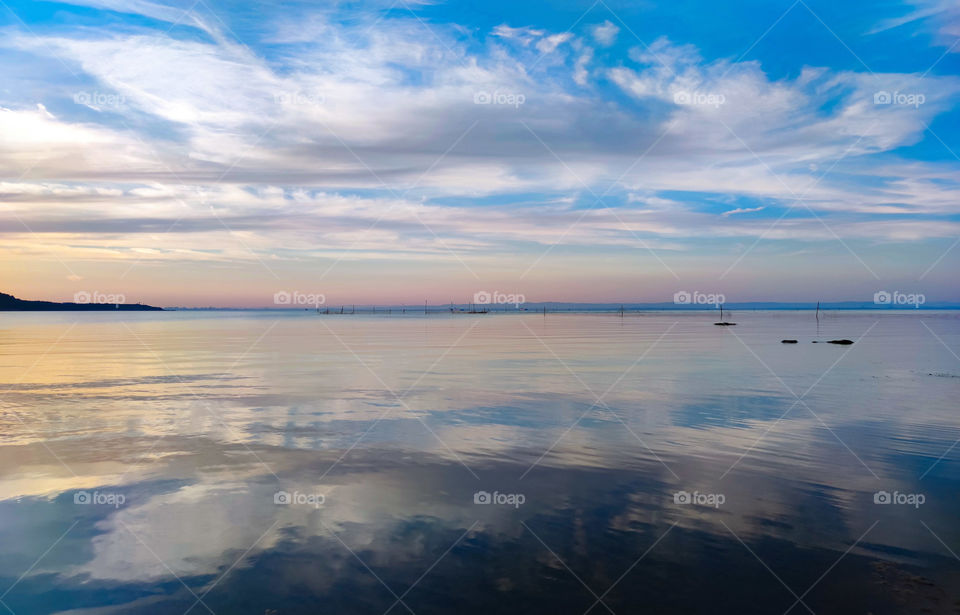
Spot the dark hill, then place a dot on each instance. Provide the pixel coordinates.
(9, 303)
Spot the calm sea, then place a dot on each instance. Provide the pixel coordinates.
(286, 463)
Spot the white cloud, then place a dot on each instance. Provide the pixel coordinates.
(943, 14)
(37, 143)
(524, 36)
(742, 210)
(390, 108)
(580, 72)
(550, 43)
(605, 33)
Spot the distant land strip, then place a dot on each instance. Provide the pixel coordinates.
(9, 303)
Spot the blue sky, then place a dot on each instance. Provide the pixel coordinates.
(208, 152)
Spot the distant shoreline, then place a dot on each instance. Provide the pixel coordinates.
(434, 310)
(577, 307)
(9, 303)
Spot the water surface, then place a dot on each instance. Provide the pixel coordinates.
(268, 462)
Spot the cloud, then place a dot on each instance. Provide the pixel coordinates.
(606, 33)
(524, 36)
(37, 143)
(742, 210)
(944, 15)
(545, 42)
(580, 72)
(732, 116)
(310, 144)
(351, 119)
(550, 43)
(291, 224)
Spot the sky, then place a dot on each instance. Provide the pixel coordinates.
(217, 153)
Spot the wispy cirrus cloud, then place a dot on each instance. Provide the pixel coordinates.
(944, 15)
